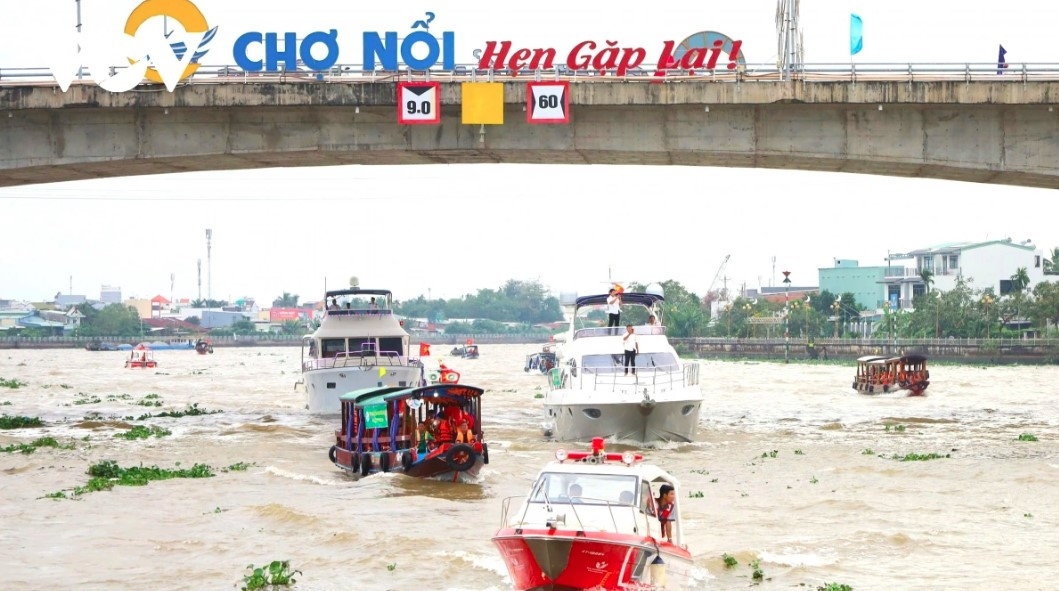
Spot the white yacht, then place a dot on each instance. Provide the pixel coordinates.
(360, 344)
(592, 396)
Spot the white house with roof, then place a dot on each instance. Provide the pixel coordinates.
(989, 264)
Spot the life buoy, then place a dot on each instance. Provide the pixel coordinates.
(460, 457)
(384, 461)
(485, 453)
(332, 454)
(449, 376)
(365, 465)
(406, 460)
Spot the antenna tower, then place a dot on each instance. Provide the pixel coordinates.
(172, 282)
(200, 278)
(788, 37)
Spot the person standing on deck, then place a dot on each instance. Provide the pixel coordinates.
(613, 309)
(632, 347)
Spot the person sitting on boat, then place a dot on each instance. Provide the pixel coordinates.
(463, 434)
(667, 498)
(574, 493)
(652, 321)
(424, 438)
(627, 497)
(333, 304)
(373, 305)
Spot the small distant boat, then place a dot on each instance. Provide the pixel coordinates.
(203, 346)
(141, 357)
(468, 351)
(880, 375)
(380, 432)
(542, 361)
(591, 521)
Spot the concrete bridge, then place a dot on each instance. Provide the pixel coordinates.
(1003, 131)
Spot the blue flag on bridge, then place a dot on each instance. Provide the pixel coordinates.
(856, 34)
(1001, 61)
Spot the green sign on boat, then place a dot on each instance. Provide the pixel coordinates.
(375, 416)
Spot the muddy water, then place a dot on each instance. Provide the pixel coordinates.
(829, 505)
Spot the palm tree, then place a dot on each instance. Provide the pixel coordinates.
(1020, 280)
(1051, 264)
(287, 300)
(927, 276)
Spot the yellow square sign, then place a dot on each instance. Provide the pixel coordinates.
(483, 103)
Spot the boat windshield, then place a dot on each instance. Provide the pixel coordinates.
(587, 489)
(660, 360)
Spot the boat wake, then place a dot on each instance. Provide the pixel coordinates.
(303, 477)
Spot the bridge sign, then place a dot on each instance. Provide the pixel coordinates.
(418, 103)
(548, 102)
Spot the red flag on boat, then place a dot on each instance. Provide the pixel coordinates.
(424, 350)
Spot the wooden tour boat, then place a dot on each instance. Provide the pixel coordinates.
(412, 430)
(878, 375)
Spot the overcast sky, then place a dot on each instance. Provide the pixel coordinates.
(454, 229)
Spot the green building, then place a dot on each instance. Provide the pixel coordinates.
(865, 283)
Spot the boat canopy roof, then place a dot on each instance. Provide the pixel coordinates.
(870, 358)
(366, 393)
(358, 291)
(644, 299)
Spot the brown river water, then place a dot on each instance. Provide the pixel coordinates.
(830, 505)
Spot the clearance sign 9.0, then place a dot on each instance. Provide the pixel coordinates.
(419, 103)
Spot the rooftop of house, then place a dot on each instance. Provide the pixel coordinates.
(955, 247)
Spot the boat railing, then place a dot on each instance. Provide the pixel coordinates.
(591, 511)
(359, 313)
(355, 359)
(610, 331)
(651, 378)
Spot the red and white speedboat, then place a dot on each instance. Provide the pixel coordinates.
(590, 522)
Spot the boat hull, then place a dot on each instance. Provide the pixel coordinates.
(324, 386)
(440, 465)
(675, 419)
(554, 560)
(915, 389)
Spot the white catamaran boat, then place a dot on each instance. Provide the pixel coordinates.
(592, 395)
(359, 344)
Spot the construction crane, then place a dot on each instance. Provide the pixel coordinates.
(720, 271)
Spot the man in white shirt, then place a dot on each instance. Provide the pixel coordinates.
(613, 310)
(631, 349)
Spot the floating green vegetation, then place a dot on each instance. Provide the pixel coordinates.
(834, 587)
(278, 573)
(895, 428)
(84, 398)
(799, 452)
(239, 467)
(18, 422)
(5, 403)
(729, 561)
(770, 454)
(1027, 437)
(696, 495)
(913, 457)
(1028, 515)
(391, 567)
(868, 452)
(119, 396)
(758, 574)
(192, 410)
(108, 474)
(813, 480)
(538, 395)
(12, 383)
(703, 472)
(28, 448)
(150, 400)
(143, 432)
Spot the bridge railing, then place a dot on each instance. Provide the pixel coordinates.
(822, 72)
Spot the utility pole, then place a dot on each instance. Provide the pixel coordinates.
(172, 282)
(209, 265)
(200, 278)
(787, 317)
(80, 68)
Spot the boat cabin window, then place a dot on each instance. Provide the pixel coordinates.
(332, 347)
(594, 489)
(358, 345)
(391, 344)
(647, 501)
(614, 363)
